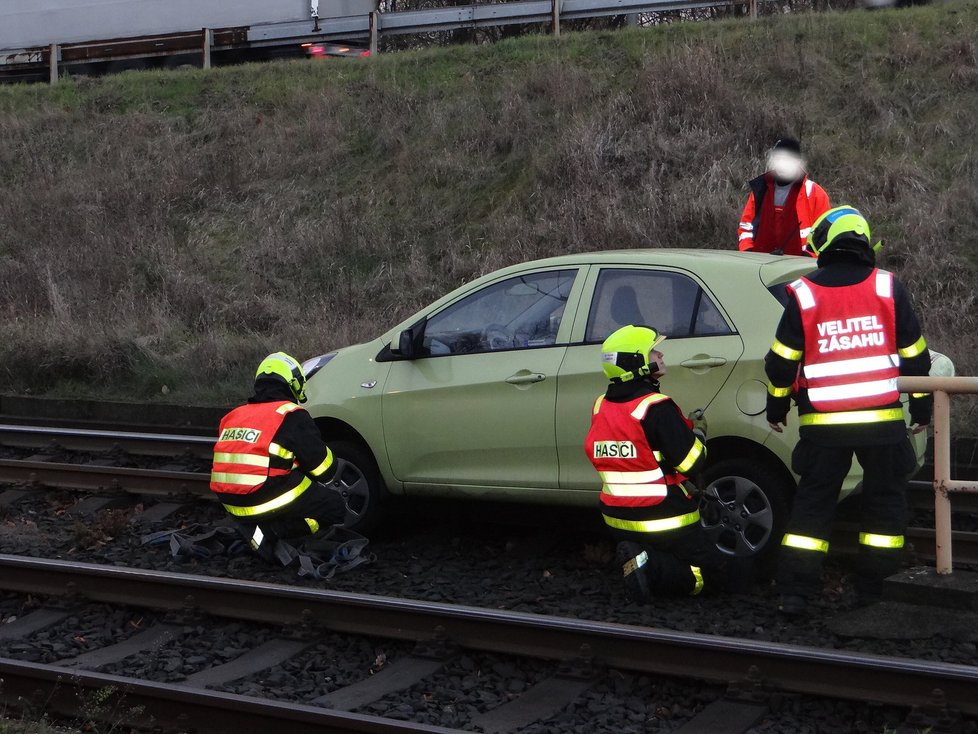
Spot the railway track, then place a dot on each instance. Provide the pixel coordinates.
(583, 647)
(168, 484)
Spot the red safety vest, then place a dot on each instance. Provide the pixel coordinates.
(245, 455)
(628, 466)
(851, 359)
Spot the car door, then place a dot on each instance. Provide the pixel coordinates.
(701, 350)
(477, 407)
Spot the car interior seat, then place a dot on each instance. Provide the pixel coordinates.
(624, 307)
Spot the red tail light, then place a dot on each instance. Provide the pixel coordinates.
(364, 53)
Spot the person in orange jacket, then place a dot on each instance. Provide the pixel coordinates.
(782, 205)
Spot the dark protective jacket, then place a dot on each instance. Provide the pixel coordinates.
(841, 270)
(664, 445)
(293, 455)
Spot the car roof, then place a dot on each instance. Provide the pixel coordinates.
(772, 268)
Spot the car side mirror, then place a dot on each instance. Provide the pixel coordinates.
(408, 343)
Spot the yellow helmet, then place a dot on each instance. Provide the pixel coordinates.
(842, 222)
(625, 354)
(282, 367)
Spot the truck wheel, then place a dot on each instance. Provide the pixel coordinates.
(744, 509)
(358, 480)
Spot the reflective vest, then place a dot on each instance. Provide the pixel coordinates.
(757, 230)
(851, 361)
(628, 466)
(245, 457)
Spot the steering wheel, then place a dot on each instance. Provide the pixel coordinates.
(496, 336)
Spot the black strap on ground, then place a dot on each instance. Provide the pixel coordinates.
(323, 555)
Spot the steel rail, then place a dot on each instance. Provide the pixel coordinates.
(833, 673)
(153, 706)
(86, 439)
(106, 478)
(159, 483)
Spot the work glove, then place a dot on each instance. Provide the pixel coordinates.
(698, 420)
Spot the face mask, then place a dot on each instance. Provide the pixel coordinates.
(785, 166)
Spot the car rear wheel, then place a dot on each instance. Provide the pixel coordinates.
(744, 509)
(358, 481)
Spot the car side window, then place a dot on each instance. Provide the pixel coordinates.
(671, 302)
(516, 313)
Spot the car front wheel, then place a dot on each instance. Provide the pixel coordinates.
(744, 509)
(358, 481)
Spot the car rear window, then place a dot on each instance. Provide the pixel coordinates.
(671, 302)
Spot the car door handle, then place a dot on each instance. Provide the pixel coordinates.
(525, 378)
(701, 362)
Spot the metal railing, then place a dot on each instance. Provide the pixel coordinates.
(944, 485)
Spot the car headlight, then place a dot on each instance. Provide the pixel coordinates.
(312, 366)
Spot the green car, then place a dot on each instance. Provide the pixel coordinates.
(487, 393)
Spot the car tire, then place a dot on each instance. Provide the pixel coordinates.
(358, 480)
(744, 509)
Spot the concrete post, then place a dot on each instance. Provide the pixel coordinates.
(208, 41)
(942, 475)
(555, 18)
(54, 63)
(374, 32)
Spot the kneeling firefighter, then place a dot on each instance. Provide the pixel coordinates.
(271, 466)
(643, 448)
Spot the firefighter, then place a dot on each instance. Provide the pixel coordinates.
(643, 449)
(782, 204)
(271, 466)
(847, 333)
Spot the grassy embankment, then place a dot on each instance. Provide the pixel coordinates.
(170, 228)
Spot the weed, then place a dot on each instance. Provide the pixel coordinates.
(168, 228)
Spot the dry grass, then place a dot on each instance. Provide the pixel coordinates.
(171, 227)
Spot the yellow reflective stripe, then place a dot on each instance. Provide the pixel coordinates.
(635, 490)
(654, 526)
(642, 408)
(630, 477)
(280, 451)
(597, 405)
(287, 408)
(313, 525)
(245, 480)
(919, 394)
(698, 576)
(221, 457)
(803, 542)
(327, 463)
(852, 416)
(881, 541)
(281, 501)
(914, 349)
(778, 392)
(783, 350)
(694, 453)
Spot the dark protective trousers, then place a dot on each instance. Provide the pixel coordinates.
(673, 553)
(320, 503)
(882, 511)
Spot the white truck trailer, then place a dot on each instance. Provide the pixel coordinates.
(91, 34)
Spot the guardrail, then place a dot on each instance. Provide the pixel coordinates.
(944, 485)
